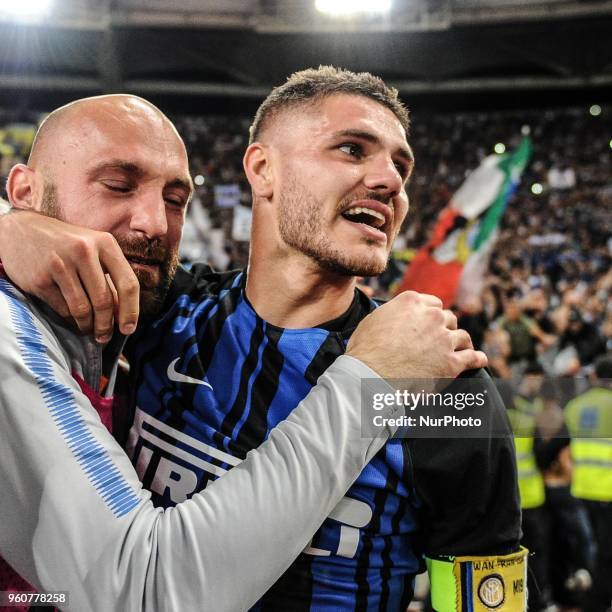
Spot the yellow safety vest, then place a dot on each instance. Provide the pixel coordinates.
(531, 484)
(589, 420)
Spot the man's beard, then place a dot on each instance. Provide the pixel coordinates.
(301, 227)
(152, 292)
(49, 205)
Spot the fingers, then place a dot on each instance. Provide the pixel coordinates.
(424, 298)
(450, 319)
(114, 293)
(74, 296)
(461, 340)
(100, 301)
(466, 357)
(431, 300)
(125, 283)
(414, 336)
(86, 292)
(471, 360)
(73, 260)
(481, 360)
(55, 300)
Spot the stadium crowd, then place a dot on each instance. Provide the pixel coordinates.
(545, 310)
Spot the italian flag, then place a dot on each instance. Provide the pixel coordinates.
(453, 262)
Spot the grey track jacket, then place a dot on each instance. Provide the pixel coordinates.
(74, 516)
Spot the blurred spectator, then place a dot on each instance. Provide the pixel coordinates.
(473, 318)
(570, 559)
(561, 176)
(526, 405)
(584, 337)
(524, 333)
(496, 345)
(589, 419)
(519, 328)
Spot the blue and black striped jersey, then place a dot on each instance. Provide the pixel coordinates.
(211, 379)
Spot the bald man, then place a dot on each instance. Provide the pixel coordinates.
(75, 517)
(75, 154)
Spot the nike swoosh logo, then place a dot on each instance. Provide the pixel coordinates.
(182, 378)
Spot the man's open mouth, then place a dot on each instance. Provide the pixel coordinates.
(364, 215)
(370, 213)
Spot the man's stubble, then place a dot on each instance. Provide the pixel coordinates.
(301, 227)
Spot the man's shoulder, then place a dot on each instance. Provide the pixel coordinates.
(18, 321)
(12, 303)
(21, 320)
(589, 398)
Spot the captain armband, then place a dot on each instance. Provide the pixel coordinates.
(479, 584)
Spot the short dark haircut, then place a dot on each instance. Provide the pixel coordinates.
(315, 84)
(534, 368)
(603, 366)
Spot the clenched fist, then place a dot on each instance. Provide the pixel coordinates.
(411, 336)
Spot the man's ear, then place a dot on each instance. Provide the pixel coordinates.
(258, 169)
(20, 186)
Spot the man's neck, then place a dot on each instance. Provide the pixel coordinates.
(296, 292)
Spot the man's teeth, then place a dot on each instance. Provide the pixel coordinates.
(358, 210)
(368, 211)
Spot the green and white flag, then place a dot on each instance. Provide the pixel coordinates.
(452, 264)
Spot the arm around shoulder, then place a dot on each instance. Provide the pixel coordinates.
(76, 519)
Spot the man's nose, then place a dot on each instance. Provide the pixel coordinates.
(383, 176)
(149, 216)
